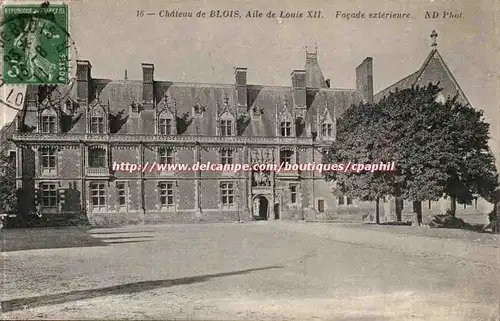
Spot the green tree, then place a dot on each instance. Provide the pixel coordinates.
(8, 197)
(440, 149)
(470, 165)
(360, 139)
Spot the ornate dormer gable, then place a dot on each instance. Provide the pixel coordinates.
(98, 117)
(49, 117)
(285, 120)
(135, 107)
(226, 119)
(198, 109)
(166, 116)
(326, 124)
(256, 112)
(70, 107)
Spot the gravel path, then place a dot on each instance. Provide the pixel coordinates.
(264, 271)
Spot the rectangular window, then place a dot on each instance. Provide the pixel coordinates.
(341, 200)
(321, 206)
(226, 156)
(286, 129)
(166, 156)
(226, 127)
(122, 193)
(48, 124)
(227, 193)
(98, 195)
(166, 190)
(327, 130)
(286, 157)
(165, 126)
(293, 193)
(49, 195)
(48, 158)
(349, 200)
(97, 125)
(97, 157)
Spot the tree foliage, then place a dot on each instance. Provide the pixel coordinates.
(440, 149)
(8, 197)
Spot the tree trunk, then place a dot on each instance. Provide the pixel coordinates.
(453, 207)
(418, 209)
(397, 204)
(496, 227)
(377, 211)
(399, 208)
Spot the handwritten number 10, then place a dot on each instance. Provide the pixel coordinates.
(140, 13)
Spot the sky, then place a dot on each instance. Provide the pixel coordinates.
(111, 36)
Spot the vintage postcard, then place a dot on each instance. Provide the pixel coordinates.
(250, 160)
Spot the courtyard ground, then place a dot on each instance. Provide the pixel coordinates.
(251, 271)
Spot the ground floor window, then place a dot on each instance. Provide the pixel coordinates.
(293, 193)
(227, 193)
(49, 195)
(98, 195)
(122, 193)
(321, 206)
(166, 191)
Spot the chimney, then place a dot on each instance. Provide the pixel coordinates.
(240, 75)
(148, 85)
(299, 88)
(364, 79)
(83, 74)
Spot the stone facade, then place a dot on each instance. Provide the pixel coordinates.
(69, 137)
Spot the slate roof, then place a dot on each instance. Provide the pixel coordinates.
(121, 93)
(433, 68)
(314, 75)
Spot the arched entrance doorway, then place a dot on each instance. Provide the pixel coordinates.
(261, 208)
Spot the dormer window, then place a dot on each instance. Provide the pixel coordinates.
(226, 126)
(48, 121)
(286, 128)
(98, 121)
(97, 124)
(327, 130)
(48, 124)
(165, 124)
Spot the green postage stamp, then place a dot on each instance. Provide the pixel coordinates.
(35, 46)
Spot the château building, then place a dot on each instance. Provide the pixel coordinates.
(68, 138)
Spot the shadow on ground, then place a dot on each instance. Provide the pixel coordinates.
(63, 237)
(128, 288)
